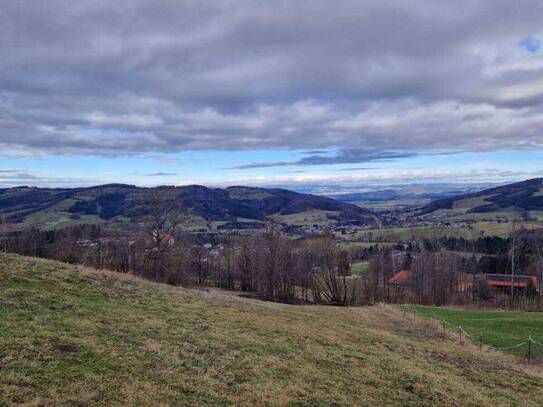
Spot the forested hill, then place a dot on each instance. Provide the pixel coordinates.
(105, 202)
(520, 196)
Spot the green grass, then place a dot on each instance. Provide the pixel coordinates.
(307, 218)
(477, 229)
(470, 203)
(359, 267)
(498, 328)
(364, 245)
(55, 217)
(404, 233)
(71, 336)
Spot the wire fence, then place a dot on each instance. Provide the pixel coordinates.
(533, 350)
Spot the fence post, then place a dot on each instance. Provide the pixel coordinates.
(529, 348)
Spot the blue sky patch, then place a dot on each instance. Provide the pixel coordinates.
(530, 44)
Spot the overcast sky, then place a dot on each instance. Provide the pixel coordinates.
(258, 92)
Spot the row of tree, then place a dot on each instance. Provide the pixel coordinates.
(266, 263)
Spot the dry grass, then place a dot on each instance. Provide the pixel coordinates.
(73, 336)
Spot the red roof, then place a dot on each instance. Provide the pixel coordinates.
(401, 278)
(507, 280)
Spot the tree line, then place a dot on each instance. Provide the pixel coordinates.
(266, 263)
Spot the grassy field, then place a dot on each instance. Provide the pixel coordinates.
(307, 218)
(365, 245)
(476, 230)
(74, 336)
(499, 329)
(359, 267)
(55, 217)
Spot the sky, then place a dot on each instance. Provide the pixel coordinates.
(287, 93)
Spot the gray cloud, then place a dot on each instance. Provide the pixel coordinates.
(115, 79)
(325, 184)
(358, 169)
(15, 177)
(162, 174)
(346, 156)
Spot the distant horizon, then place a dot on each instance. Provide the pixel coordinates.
(323, 189)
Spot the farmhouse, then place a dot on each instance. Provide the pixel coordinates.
(501, 283)
(504, 282)
(401, 279)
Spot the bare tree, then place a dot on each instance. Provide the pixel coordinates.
(513, 252)
(246, 265)
(165, 216)
(332, 277)
(4, 232)
(537, 243)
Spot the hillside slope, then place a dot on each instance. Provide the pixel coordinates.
(74, 336)
(524, 197)
(102, 203)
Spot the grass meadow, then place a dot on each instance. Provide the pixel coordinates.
(499, 329)
(75, 336)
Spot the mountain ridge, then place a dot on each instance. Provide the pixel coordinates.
(108, 201)
(525, 195)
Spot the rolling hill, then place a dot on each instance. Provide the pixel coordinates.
(76, 336)
(50, 207)
(522, 199)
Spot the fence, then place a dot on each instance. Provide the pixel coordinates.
(530, 353)
(531, 304)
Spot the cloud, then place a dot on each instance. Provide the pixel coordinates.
(108, 79)
(10, 171)
(357, 169)
(320, 182)
(162, 174)
(346, 156)
(15, 177)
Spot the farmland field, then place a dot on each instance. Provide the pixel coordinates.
(499, 329)
(56, 217)
(307, 218)
(476, 229)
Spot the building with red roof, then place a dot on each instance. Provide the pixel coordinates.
(401, 279)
